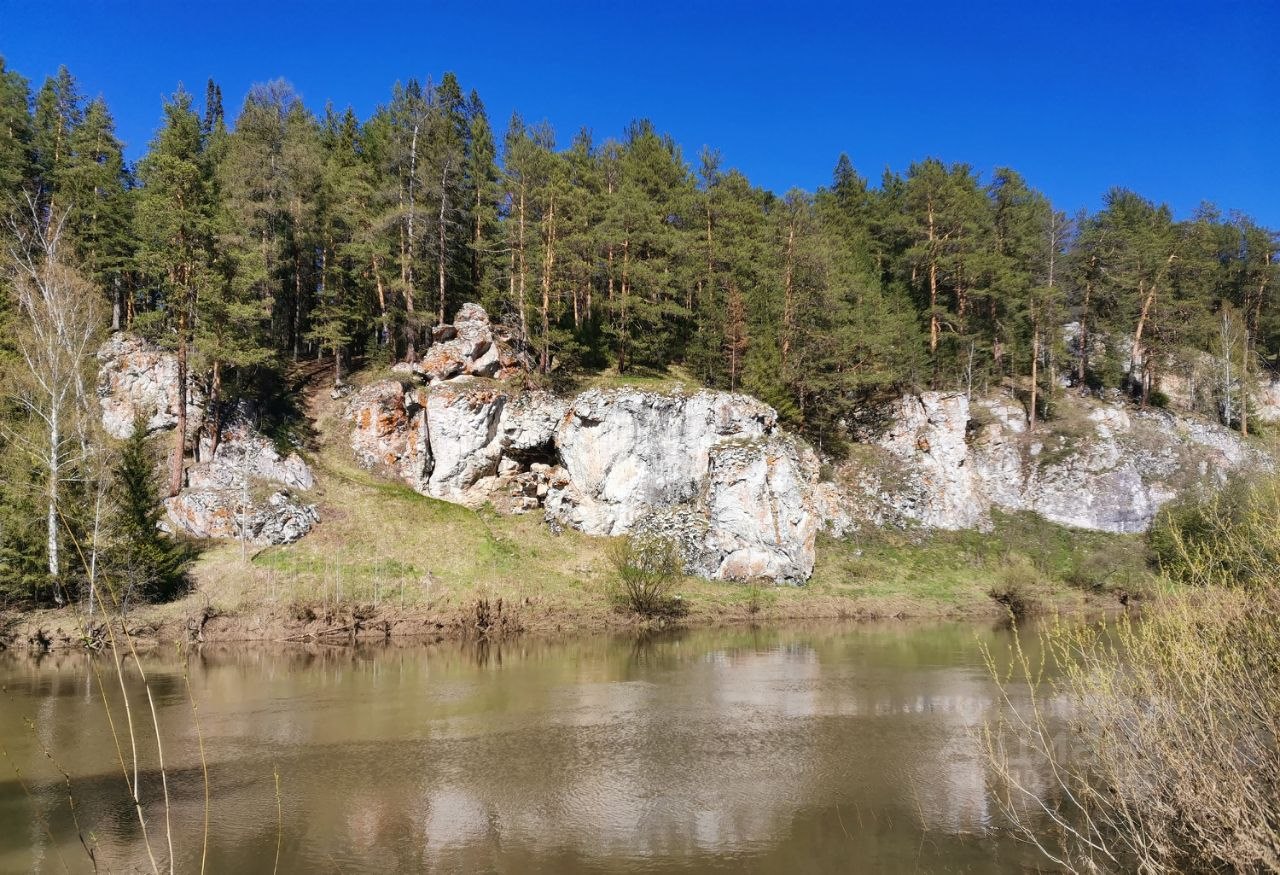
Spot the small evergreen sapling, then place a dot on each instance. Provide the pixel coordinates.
(149, 565)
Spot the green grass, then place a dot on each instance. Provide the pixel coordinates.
(958, 568)
(672, 378)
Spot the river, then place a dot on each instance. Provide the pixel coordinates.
(793, 750)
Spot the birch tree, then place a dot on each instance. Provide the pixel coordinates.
(56, 339)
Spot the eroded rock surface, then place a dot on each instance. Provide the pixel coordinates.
(278, 519)
(246, 487)
(627, 452)
(390, 434)
(710, 466)
(761, 508)
(473, 347)
(139, 379)
(1098, 466)
(714, 472)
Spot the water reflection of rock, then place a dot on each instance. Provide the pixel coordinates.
(589, 754)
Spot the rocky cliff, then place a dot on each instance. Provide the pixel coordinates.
(710, 469)
(715, 472)
(946, 462)
(246, 488)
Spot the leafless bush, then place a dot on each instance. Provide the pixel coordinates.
(1174, 764)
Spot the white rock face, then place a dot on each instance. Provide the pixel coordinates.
(708, 469)
(926, 438)
(209, 514)
(627, 452)
(462, 425)
(762, 516)
(245, 453)
(138, 379)
(1267, 399)
(1101, 466)
(220, 498)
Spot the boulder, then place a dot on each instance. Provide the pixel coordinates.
(472, 346)
(137, 379)
(222, 495)
(205, 513)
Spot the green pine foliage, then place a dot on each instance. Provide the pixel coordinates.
(143, 563)
(255, 239)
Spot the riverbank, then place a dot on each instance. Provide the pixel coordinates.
(397, 564)
(386, 561)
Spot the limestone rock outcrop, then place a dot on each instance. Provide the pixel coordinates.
(710, 469)
(627, 452)
(204, 513)
(390, 434)
(472, 347)
(1098, 466)
(762, 511)
(224, 492)
(714, 472)
(936, 486)
(139, 379)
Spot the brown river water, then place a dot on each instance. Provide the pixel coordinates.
(783, 750)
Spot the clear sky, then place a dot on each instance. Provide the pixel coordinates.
(1175, 99)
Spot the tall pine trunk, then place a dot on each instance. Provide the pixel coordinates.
(1083, 358)
(933, 287)
(180, 433)
(548, 265)
(788, 294)
(441, 252)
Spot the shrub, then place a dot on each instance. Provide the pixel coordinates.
(1091, 569)
(1016, 585)
(1173, 731)
(761, 594)
(1230, 537)
(647, 569)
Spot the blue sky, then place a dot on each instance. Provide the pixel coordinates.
(1174, 99)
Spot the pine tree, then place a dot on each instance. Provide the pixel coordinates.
(17, 151)
(343, 226)
(444, 172)
(174, 227)
(95, 186)
(481, 193)
(58, 112)
(147, 565)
